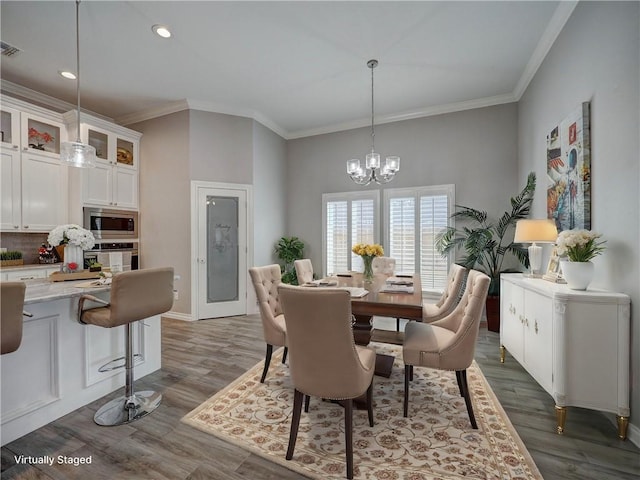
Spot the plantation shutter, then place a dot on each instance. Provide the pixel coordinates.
(349, 218)
(337, 237)
(415, 216)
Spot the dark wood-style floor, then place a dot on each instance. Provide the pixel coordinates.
(200, 358)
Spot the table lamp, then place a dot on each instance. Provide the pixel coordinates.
(535, 231)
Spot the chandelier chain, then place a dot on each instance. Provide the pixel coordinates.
(373, 134)
(78, 66)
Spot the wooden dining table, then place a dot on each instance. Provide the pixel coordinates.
(377, 302)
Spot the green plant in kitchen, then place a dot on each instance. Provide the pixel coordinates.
(486, 243)
(95, 267)
(10, 257)
(288, 250)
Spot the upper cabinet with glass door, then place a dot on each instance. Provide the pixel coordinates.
(10, 127)
(117, 149)
(40, 135)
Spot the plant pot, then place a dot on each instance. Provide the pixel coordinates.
(493, 313)
(577, 274)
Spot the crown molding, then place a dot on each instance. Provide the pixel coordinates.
(162, 110)
(555, 26)
(408, 115)
(43, 100)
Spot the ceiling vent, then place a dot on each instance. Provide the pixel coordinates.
(8, 50)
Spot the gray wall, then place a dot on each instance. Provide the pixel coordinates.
(269, 193)
(596, 59)
(474, 149)
(164, 199)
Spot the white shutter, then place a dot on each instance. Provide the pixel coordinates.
(402, 233)
(348, 218)
(415, 216)
(337, 237)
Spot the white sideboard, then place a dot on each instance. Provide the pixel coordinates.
(575, 344)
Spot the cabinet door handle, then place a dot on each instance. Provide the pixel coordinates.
(25, 226)
(15, 147)
(16, 226)
(536, 326)
(521, 319)
(526, 322)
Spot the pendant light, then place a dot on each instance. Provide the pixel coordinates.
(78, 154)
(373, 171)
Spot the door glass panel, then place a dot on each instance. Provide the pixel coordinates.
(222, 249)
(43, 136)
(100, 142)
(5, 127)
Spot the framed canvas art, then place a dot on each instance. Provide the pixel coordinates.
(569, 172)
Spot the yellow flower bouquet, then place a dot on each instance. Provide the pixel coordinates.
(368, 252)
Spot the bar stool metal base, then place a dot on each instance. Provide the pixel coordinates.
(123, 410)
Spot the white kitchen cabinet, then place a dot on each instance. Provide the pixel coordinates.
(575, 344)
(114, 181)
(34, 182)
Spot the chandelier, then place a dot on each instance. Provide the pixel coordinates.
(78, 154)
(373, 171)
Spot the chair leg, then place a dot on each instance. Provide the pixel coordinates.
(370, 403)
(467, 398)
(407, 374)
(411, 373)
(459, 383)
(348, 435)
(284, 355)
(397, 324)
(295, 422)
(307, 399)
(267, 361)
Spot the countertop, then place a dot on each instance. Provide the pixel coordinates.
(43, 290)
(31, 266)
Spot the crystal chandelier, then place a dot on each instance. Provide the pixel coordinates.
(373, 171)
(78, 154)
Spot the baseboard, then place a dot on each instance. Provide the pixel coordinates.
(185, 317)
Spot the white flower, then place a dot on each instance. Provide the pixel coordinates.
(579, 245)
(71, 234)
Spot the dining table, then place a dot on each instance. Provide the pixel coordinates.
(395, 297)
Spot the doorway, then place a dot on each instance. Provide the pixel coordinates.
(219, 273)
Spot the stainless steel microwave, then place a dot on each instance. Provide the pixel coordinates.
(104, 223)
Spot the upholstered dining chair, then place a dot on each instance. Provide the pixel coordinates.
(384, 265)
(304, 270)
(325, 362)
(456, 281)
(265, 282)
(11, 305)
(448, 343)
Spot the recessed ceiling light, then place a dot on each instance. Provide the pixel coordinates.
(69, 75)
(161, 30)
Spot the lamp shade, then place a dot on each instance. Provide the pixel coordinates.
(535, 231)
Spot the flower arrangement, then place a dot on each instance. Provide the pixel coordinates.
(71, 234)
(579, 245)
(368, 250)
(39, 138)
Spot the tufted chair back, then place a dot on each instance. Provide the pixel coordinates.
(384, 265)
(265, 282)
(452, 294)
(304, 270)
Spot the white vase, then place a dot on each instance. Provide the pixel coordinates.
(74, 254)
(577, 274)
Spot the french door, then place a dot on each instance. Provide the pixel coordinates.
(220, 268)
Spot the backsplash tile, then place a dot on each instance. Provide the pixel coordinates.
(27, 243)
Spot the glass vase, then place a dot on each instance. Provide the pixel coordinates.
(74, 254)
(368, 268)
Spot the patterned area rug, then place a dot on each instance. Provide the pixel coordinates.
(436, 441)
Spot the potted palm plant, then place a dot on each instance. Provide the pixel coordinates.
(289, 249)
(486, 243)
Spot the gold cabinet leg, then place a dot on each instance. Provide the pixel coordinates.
(561, 417)
(623, 424)
(502, 353)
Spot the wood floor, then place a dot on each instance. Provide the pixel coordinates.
(200, 358)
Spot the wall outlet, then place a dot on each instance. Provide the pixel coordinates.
(175, 295)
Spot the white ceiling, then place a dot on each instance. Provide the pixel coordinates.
(297, 67)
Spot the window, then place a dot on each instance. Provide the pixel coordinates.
(413, 218)
(348, 218)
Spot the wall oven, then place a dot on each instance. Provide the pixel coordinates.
(111, 224)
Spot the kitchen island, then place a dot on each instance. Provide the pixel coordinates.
(55, 370)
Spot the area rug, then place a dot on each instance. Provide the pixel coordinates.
(436, 441)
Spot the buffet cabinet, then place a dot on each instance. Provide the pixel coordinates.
(575, 344)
